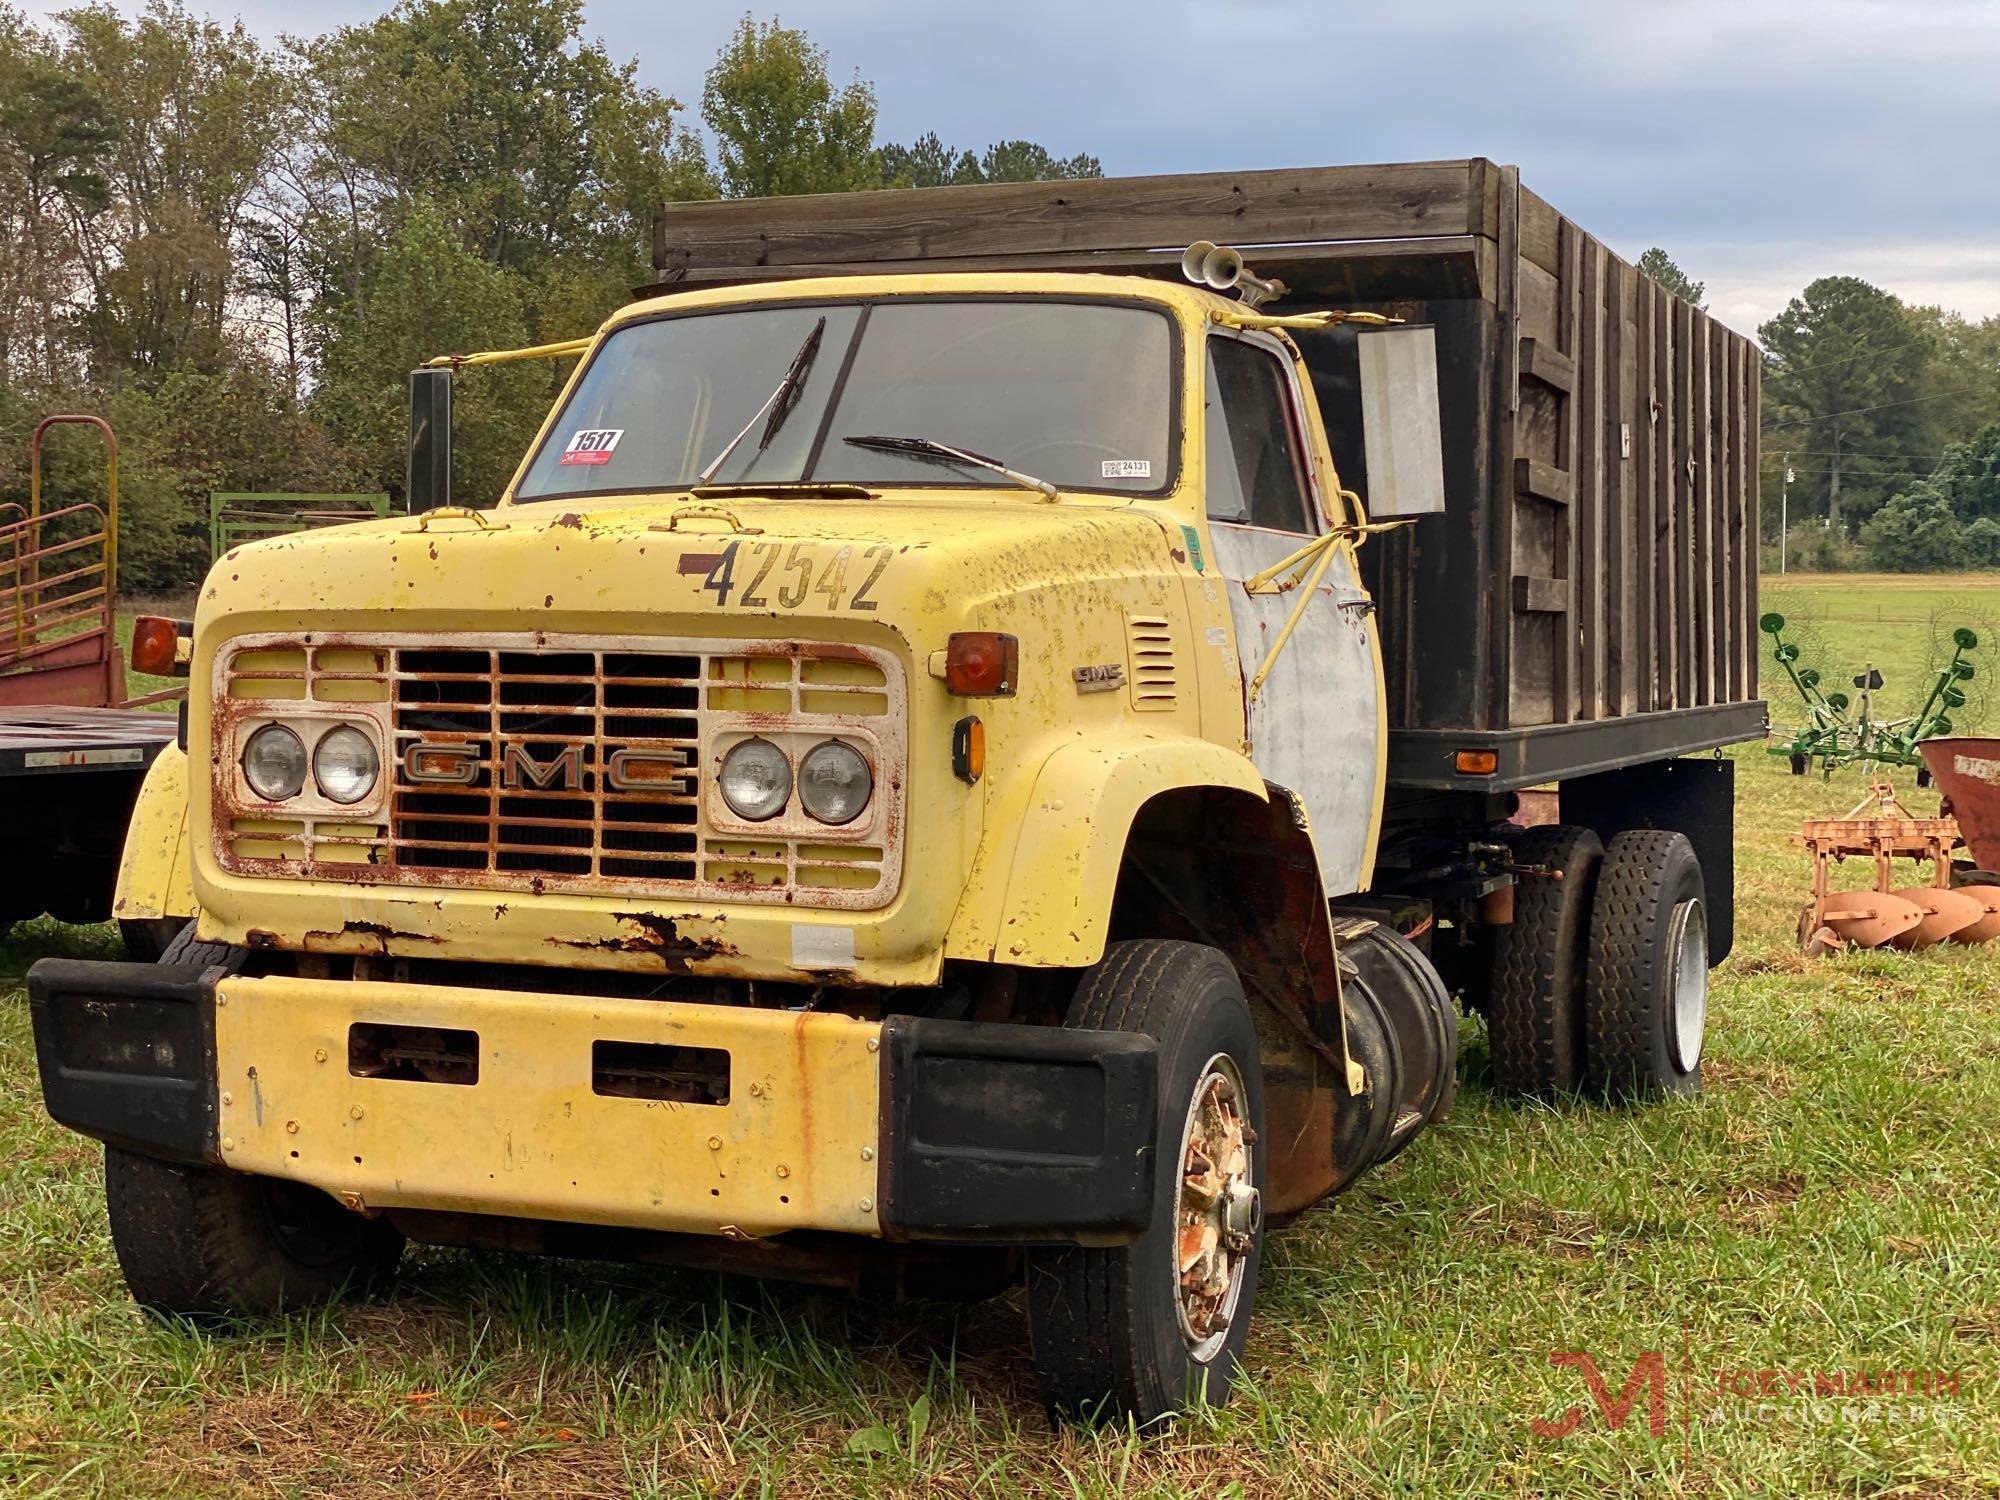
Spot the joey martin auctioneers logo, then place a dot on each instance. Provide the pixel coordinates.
(1669, 1397)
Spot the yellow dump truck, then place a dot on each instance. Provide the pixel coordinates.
(937, 775)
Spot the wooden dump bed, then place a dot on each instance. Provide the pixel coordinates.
(1589, 599)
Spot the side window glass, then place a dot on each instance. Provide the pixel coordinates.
(1255, 473)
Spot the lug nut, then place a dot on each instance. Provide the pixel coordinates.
(319, 1054)
(291, 1127)
(783, 1170)
(715, 1143)
(354, 1113)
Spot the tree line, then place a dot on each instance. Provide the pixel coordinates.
(236, 251)
(1886, 417)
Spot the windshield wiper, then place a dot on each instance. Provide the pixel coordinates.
(917, 447)
(779, 403)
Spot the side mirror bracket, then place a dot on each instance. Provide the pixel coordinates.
(428, 485)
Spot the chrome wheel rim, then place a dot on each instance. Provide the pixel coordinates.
(1220, 1212)
(1687, 943)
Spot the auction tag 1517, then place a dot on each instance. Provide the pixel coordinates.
(593, 445)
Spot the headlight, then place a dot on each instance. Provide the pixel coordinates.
(274, 763)
(345, 764)
(756, 780)
(834, 782)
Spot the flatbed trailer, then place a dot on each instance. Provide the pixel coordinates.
(68, 780)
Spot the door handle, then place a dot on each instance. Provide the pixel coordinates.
(1363, 607)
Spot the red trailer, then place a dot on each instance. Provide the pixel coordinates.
(73, 746)
(1967, 771)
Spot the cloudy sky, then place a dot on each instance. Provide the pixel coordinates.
(1762, 142)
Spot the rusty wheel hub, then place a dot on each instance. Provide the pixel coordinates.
(1220, 1212)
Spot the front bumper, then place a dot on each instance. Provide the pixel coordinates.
(662, 1115)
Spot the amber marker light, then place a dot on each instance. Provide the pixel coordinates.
(156, 644)
(968, 749)
(1476, 762)
(981, 664)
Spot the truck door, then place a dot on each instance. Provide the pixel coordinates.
(1315, 726)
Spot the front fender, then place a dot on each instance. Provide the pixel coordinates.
(1067, 847)
(155, 875)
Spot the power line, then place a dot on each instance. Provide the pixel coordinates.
(1854, 453)
(1858, 410)
(1827, 364)
(1873, 474)
(1858, 473)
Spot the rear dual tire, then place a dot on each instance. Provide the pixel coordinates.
(1646, 1013)
(1535, 1022)
(1601, 980)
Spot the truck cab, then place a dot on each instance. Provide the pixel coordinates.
(892, 793)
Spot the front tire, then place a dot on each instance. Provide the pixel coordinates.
(198, 1242)
(201, 1242)
(1142, 1330)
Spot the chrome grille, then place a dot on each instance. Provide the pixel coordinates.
(530, 729)
(564, 714)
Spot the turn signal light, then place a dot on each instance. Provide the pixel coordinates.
(968, 749)
(981, 664)
(156, 646)
(1476, 762)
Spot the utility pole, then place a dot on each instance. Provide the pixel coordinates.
(1784, 511)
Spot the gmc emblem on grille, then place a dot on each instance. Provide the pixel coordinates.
(428, 764)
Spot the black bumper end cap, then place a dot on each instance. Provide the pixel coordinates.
(1014, 1134)
(127, 1053)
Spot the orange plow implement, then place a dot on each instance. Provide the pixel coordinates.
(1919, 916)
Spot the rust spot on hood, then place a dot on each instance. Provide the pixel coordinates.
(570, 519)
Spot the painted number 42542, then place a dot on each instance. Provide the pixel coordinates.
(794, 581)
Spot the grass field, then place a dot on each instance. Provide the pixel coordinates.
(1831, 1205)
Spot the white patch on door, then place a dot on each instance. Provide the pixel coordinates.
(1314, 727)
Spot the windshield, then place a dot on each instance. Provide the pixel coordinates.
(1077, 393)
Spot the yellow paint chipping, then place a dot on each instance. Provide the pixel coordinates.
(530, 1137)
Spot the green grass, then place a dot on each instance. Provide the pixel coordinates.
(1847, 622)
(1831, 1203)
